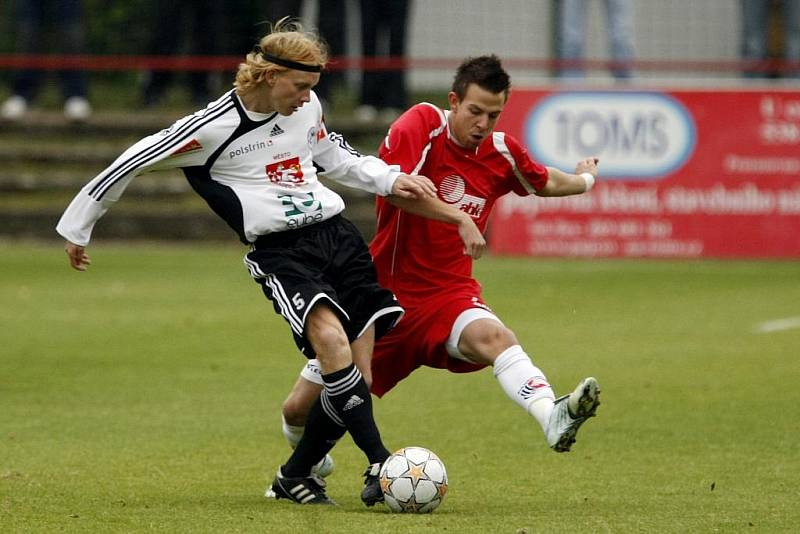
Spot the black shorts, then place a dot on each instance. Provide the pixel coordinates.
(327, 261)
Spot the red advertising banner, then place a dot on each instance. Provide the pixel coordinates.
(684, 173)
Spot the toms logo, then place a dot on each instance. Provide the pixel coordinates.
(637, 136)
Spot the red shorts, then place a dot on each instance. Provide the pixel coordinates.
(419, 339)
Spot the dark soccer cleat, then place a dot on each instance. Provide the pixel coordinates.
(570, 412)
(308, 490)
(372, 492)
(322, 469)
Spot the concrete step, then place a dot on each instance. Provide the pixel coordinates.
(59, 153)
(137, 124)
(25, 181)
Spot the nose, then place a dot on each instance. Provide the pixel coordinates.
(483, 122)
(306, 96)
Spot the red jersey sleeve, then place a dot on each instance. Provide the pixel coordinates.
(409, 138)
(527, 175)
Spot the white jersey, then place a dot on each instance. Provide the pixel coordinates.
(256, 171)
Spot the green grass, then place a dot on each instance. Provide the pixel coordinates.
(144, 395)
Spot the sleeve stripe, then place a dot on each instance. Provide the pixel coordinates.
(284, 303)
(166, 139)
(155, 151)
(433, 133)
(340, 140)
(499, 141)
(422, 159)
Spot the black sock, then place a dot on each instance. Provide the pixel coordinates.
(347, 397)
(319, 437)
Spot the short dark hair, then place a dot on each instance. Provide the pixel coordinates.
(485, 71)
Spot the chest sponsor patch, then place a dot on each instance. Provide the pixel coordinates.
(452, 190)
(286, 171)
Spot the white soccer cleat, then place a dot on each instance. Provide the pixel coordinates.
(14, 108)
(570, 412)
(77, 109)
(365, 113)
(322, 469)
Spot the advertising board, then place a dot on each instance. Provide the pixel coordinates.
(683, 173)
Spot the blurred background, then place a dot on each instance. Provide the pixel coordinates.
(693, 108)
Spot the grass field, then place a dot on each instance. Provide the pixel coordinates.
(144, 395)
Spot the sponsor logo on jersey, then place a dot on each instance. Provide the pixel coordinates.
(316, 134)
(301, 211)
(452, 190)
(191, 146)
(287, 171)
(248, 148)
(528, 390)
(276, 130)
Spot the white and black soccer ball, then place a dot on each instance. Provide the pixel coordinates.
(413, 480)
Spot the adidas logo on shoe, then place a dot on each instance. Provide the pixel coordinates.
(276, 130)
(354, 401)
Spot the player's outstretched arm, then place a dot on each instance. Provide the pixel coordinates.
(560, 183)
(433, 208)
(78, 259)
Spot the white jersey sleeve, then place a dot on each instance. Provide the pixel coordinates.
(340, 162)
(178, 146)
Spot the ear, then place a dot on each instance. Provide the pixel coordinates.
(452, 98)
(271, 77)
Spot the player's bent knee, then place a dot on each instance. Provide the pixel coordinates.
(294, 411)
(483, 344)
(328, 339)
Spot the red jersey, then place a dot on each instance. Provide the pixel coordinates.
(415, 256)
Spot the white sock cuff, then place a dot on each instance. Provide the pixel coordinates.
(291, 433)
(508, 358)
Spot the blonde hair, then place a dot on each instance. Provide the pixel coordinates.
(288, 40)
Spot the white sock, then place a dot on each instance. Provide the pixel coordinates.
(291, 433)
(525, 384)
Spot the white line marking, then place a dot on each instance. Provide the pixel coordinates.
(778, 325)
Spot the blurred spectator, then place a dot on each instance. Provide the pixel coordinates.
(383, 34)
(755, 30)
(331, 26)
(184, 26)
(66, 17)
(571, 35)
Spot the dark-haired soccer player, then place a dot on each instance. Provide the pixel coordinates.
(447, 324)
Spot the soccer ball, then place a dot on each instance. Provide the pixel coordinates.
(413, 480)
